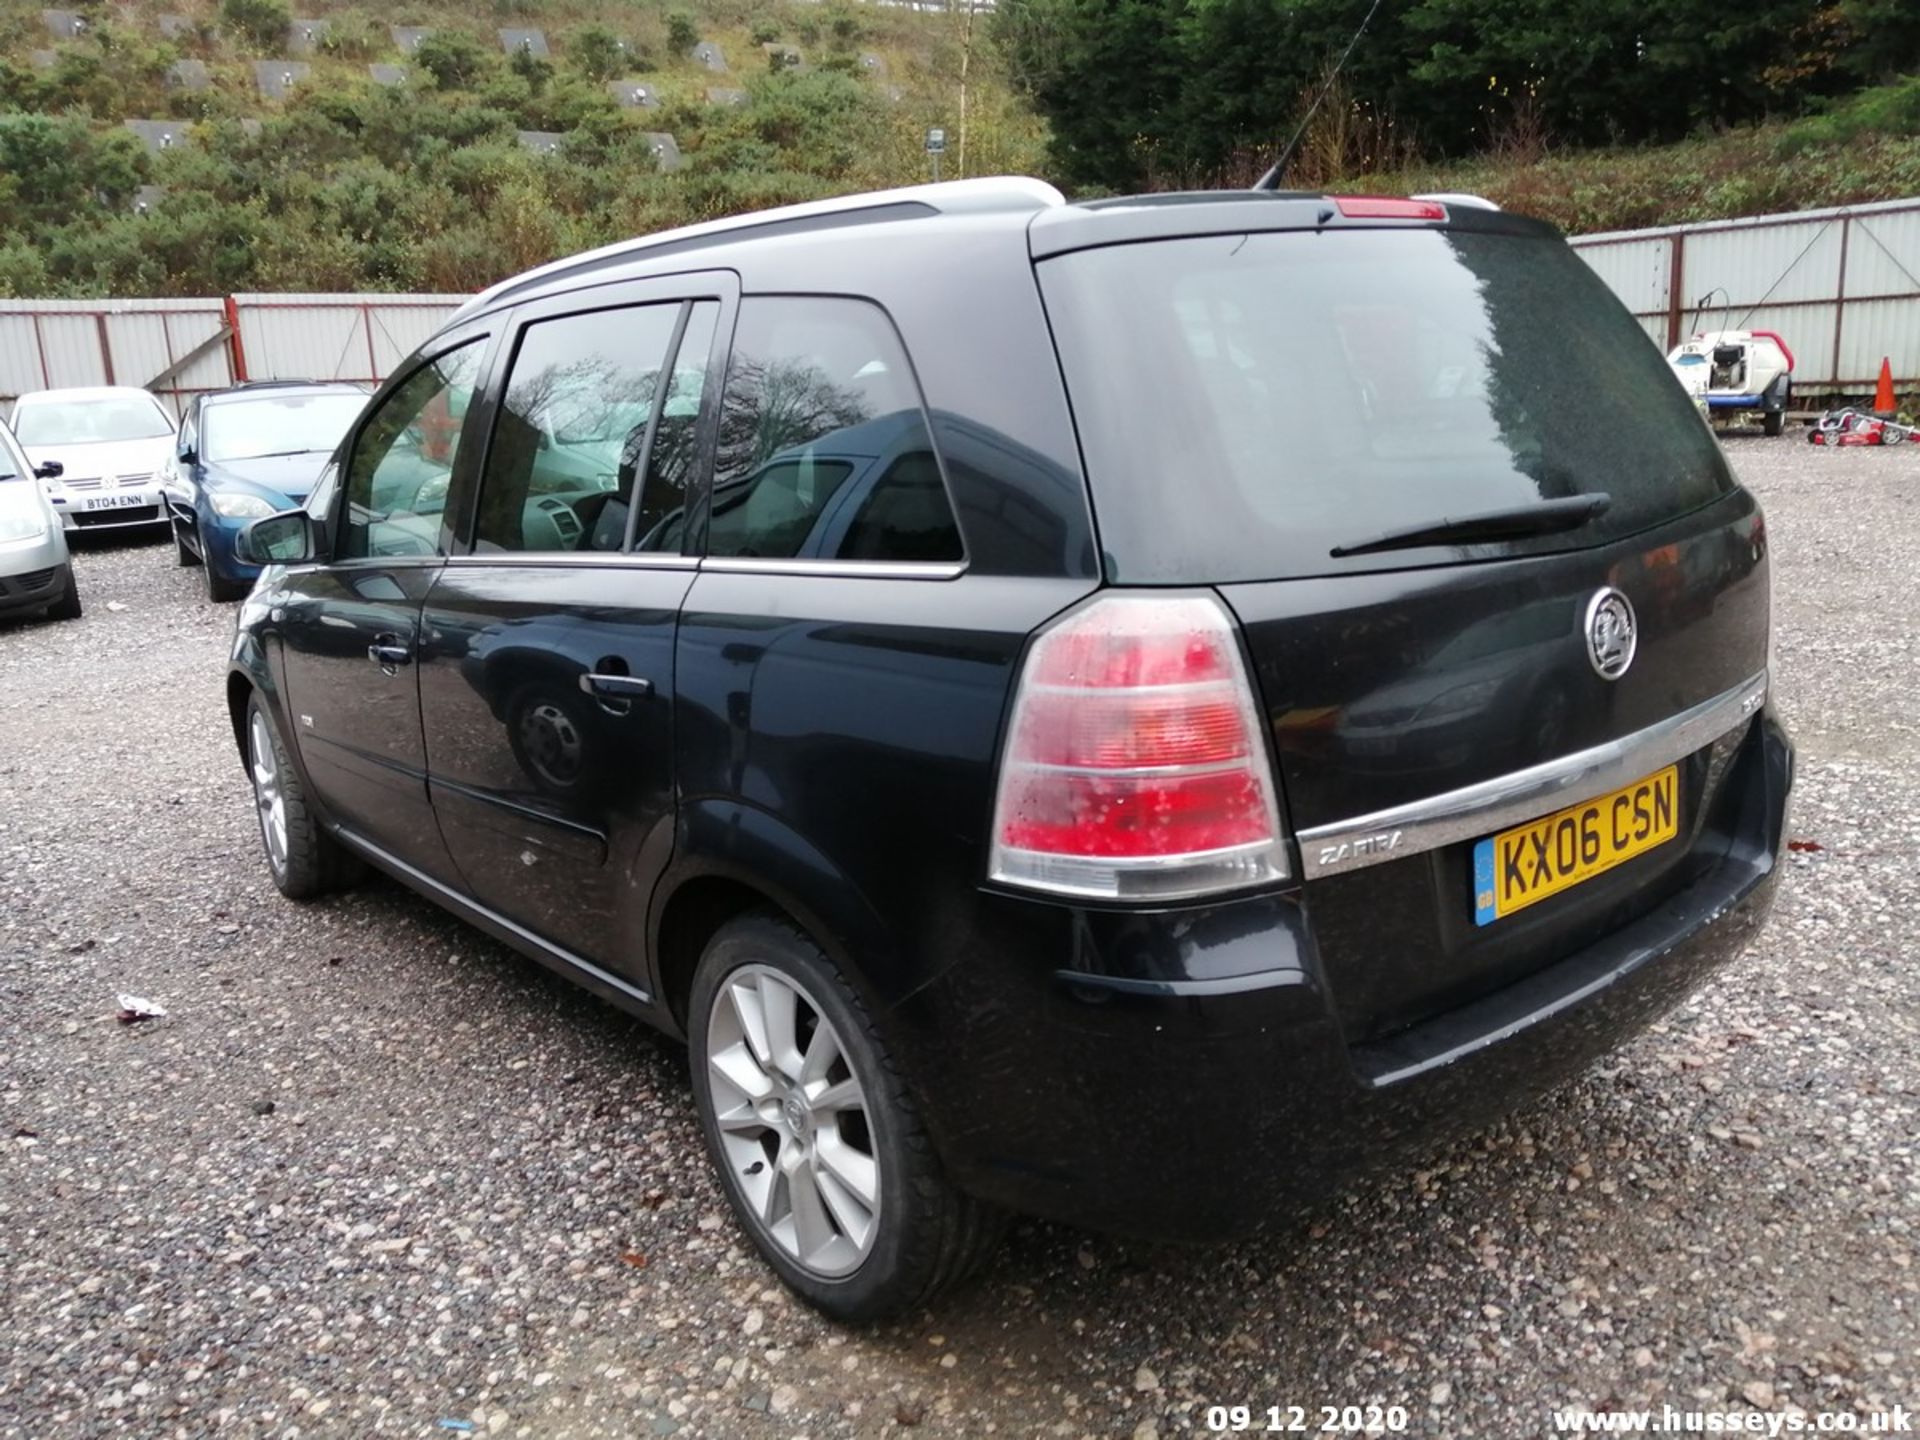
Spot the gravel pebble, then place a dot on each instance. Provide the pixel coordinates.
(372, 1171)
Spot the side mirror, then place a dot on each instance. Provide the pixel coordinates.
(282, 539)
(185, 452)
(49, 470)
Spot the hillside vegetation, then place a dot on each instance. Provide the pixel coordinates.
(1865, 149)
(1629, 113)
(350, 185)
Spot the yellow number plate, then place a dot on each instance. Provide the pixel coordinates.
(1518, 867)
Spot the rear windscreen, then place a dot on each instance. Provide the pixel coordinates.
(1248, 403)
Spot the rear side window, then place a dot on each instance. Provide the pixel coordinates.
(571, 428)
(1259, 400)
(824, 452)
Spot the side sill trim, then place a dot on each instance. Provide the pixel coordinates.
(517, 935)
(1476, 810)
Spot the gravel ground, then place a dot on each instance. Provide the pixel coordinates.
(373, 1173)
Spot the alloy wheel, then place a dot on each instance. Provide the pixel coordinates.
(793, 1121)
(268, 797)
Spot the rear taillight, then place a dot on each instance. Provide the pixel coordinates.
(1134, 766)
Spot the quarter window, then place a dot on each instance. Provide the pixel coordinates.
(571, 431)
(824, 451)
(404, 456)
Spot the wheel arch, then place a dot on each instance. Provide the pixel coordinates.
(240, 688)
(732, 859)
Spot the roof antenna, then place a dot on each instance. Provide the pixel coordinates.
(1271, 180)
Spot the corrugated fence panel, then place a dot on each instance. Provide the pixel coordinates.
(1638, 271)
(335, 337)
(399, 330)
(50, 343)
(71, 346)
(1800, 261)
(1883, 255)
(53, 343)
(1782, 273)
(1877, 329)
(1808, 331)
(19, 356)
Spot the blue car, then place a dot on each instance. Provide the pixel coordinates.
(246, 453)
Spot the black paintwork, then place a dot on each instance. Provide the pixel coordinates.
(826, 744)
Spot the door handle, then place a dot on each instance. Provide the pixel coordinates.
(389, 656)
(596, 682)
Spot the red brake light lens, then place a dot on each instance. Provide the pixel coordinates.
(1134, 767)
(1388, 207)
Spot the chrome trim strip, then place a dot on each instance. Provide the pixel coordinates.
(845, 569)
(1492, 805)
(617, 559)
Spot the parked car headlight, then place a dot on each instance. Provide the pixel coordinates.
(234, 505)
(24, 525)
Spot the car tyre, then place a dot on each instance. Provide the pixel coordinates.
(183, 556)
(795, 1177)
(303, 859)
(67, 607)
(1774, 422)
(220, 589)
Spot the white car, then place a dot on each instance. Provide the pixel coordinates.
(111, 442)
(35, 570)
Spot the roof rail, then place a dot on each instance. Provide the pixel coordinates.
(986, 195)
(1458, 197)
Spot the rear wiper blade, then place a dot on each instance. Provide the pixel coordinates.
(1541, 519)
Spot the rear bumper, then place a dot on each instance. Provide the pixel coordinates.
(1194, 1108)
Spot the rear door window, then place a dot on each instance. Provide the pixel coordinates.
(824, 451)
(1256, 401)
(570, 431)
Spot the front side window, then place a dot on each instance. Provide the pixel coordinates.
(403, 459)
(824, 451)
(567, 446)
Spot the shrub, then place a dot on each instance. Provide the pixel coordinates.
(532, 69)
(598, 53)
(682, 33)
(264, 22)
(454, 58)
(353, 35)
(846, 28)
(765, 32)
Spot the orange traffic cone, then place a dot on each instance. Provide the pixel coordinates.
(1883, 392)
